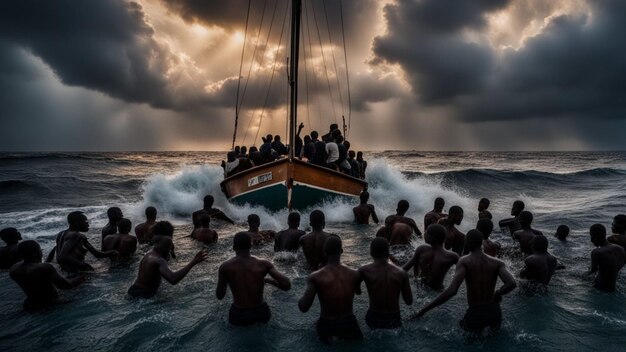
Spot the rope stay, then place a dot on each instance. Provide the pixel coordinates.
(306, 79)
(330, 91)
(317, 96)
(345, 55)
(243, 50)
(332, 50)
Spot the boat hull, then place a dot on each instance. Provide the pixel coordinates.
(290, 184)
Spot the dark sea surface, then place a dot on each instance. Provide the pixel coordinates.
(37, 191)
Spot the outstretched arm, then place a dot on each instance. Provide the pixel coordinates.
(415, 259)
(96, 253)
(450, 292)
(220, 215)
(277, 278)
(307, 299)
(173, 277)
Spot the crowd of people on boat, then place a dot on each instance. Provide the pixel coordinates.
(330, 150)
(474, 255)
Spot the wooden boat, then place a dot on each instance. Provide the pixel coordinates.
(290, 182)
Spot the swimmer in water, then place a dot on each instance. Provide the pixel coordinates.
(431, 261)
(313, 242)
(385, 283)
(513, 224)
(403, 207)
(401, 234)
(483, 213)
(455, 239)
(38, 280)
(480, 273)
(541, 265)
(607, 259)
(9, 254)
(619, 231)
(433, 216)
(122, 242)
(289, 240)
(485, 226)
(204, 233)
(562, 232)
(143, 231)
(246, 276)
(154, 266)
(363, 211)
(259, 236)
(72, 245)
(526, 234)
(115, 215)
(335, 284)
(208, 209)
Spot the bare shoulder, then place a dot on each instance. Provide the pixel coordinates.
(453, 256)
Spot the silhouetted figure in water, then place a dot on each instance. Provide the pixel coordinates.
(483, 213)
(431, 261)
(513, 224)
(433, 216)
(215, 213)
(122, 242)
(363, 211)
(313, 242)
(204, 233)
(38, 280)
(619, 231)
(289, 240)
(115, 215)
(455, 239)
(541, 265)
(480, 273)
(526, 234)
(562, 232)
(391, 220)
(259, 236)
(246, 276)
(154, 264)
(335, 284)
(72, 246)
(143, 231)
(607, 259)
(485, 226)
(385, 283)
(9, 254)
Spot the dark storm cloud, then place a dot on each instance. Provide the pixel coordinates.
(104, 45)
(573, 67)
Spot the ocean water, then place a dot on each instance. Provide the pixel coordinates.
(37, 191)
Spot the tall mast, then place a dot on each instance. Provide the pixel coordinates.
(296, 11)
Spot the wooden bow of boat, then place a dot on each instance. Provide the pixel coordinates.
(289, 184)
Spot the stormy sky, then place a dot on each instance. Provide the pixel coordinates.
(424, 74)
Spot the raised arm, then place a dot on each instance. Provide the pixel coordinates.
(277, 278)
(222, 283)
(308, 297)
(449, 292)
(173, 277)
(508, 281)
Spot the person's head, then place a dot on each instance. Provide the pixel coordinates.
(597, 233)
(562, 232)
(332, 246)
(403, 206)
(254, 221)
(293, 220)
(333, 126)
(242, 241)
(517, 208)
(163, 228)
(364, 196)
(314, 135)
(253, 149)
(151, 213)
(483, 204)
(124, 226)
(276, 138)
(455, 214)
(78, 221)
(473, 240)
(208, 201)
(243, 150)
(347, 145)
(619, 224)
(539, 244)
(269, 138)
(114, 214)
(237, 149)
(163, 245)
(435, 235)
(205, 220)
(359, 155)
(339, 139)
(10, 236)
(525, 219)
(231, 156)
(335, 135)
(30, 251)
(317, 219)
(351, 154)
(485, 226)
(307, 139)
(439, 204)
(379, 249)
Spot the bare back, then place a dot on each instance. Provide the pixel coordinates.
(36, 280)
(336, 286)
(125, 245)
(481, 276)
(362, 214)
(385, 282)
(246, 278)
(288, 240)
(401, 234)
(431, 264)
(539, 268)
(313, 248)
(149, 276)
(205, 235)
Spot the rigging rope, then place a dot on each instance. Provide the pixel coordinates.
(256, 45)
(243, 50)
(317, 96)
(332, 50)
(306, 80)
(330, 91)
(345, 52)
